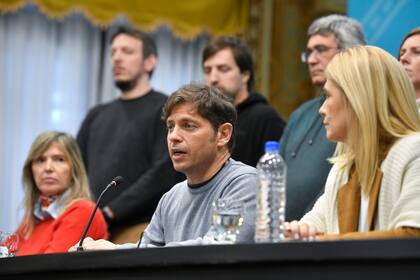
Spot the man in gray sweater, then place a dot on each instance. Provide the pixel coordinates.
(201, 126)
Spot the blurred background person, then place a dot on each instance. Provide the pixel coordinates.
(409, 56)
(126, 137)
(304, 145)
(57, 198)
(373, 188)
(228, 65)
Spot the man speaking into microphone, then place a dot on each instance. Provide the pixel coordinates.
(200, 124)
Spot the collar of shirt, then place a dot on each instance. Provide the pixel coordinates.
(54, 208)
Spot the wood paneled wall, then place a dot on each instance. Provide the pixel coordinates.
(281, 76)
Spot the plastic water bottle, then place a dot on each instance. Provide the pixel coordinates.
(271, 195)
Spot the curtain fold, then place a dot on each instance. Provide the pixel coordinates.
(186, 18)
(47, 72)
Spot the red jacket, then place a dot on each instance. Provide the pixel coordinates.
(56, 236)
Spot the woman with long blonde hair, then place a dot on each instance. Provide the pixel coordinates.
(57, 200)
(373, 188)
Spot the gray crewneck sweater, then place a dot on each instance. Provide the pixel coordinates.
(184, 214)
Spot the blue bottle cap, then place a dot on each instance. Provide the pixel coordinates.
(272, 146)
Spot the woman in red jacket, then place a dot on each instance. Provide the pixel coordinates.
(57, 199)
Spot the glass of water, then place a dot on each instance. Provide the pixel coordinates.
(227, 219)
(9, 243)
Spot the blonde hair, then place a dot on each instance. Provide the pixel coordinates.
(381, 101)
(79, 187)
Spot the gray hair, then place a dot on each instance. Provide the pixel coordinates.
(348, 32)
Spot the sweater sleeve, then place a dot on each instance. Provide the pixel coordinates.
(323, 215)
(405, 212)
(154, 233)
(241, 188)
(70, 225)
(318, 215)
(244, 189)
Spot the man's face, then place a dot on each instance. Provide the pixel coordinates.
(192, 142)
(221, 71)
(322, 50)
(127, 58)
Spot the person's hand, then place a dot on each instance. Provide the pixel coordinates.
(297, 230)
(90, 245)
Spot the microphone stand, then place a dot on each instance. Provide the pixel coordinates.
(141, 237)
(114, 182)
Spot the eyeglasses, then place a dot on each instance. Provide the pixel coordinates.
(319, 49)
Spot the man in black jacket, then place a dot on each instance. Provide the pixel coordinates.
(127, 137)
(228, 65)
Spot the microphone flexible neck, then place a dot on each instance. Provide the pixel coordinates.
(80, 247)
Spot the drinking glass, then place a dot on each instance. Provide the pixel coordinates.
(9, 243)
(227, 219)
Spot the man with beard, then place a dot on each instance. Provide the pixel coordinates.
(228, 65)
(126, 137)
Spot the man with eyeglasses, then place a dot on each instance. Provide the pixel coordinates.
(304, 145)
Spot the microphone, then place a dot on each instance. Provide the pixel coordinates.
(115, 182)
